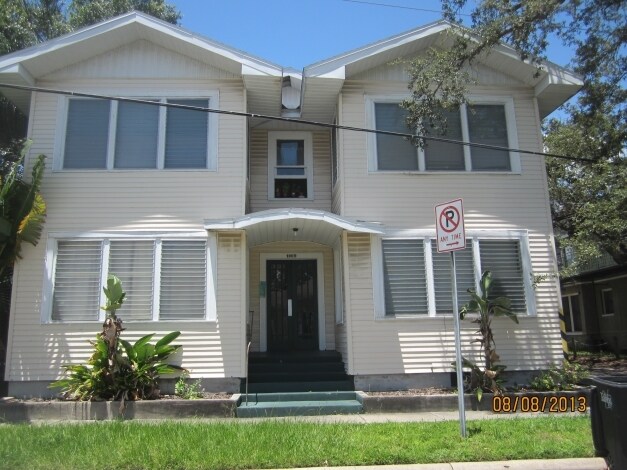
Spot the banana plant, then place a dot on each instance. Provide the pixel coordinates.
(480, 302)
(22, 209)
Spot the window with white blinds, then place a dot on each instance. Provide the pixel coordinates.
(465, 276)
(404, 277)
(416, 280)
(102, 134)
(77, 280)
(183, 280)
(503, 258)
(133, 261)
(164, 279)
(489, 121)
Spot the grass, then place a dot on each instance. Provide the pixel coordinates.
(272, 444)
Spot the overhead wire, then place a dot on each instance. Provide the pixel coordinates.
(286, 119)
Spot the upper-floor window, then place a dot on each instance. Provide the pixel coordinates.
(164, 278)
(290, 165)
(415, 279)
(488, 121)
(105, 134)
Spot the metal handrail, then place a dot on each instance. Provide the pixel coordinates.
(247, 354)
(250, 341)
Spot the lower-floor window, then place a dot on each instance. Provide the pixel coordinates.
(164, 279)
(416, 278)
(572, 313)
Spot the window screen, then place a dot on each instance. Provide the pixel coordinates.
(183, 279)
(393, 153)
(133, 262)
(442, 277)
(404, 277)
(137, 136)
(77, 279)
(487, 125)
(503, 258)
(442, 155)
(87, 134)
(186, 135)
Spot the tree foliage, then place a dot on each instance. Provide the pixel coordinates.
(588, 200)
(22, 210)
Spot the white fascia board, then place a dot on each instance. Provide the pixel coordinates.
(329, 66)
(108, 26)
(285, 214)
(18, 70)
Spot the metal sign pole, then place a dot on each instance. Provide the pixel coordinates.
(458, 351)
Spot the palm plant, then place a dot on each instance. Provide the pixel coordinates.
(486, 378)
(22, 209)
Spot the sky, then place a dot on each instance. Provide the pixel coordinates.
(296, 33)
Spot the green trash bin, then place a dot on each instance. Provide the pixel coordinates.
(608, 412)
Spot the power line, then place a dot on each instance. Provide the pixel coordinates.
(400, 7)
(284, 119)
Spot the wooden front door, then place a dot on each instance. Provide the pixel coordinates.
(292, 297)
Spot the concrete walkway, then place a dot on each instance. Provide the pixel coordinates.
(557, 464)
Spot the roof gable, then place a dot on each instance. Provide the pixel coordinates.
(140, 59)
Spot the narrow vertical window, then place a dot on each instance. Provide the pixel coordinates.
(487, 124)
(394, 152)
(186, 137)
(503, 258)
(445, 156)
(87, 134)
(404, 277)
(465, 276)
(77, 278)
(136, 137)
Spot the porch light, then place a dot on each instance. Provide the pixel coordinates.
(295, 231)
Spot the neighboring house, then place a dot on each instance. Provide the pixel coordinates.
(594, 301)
(296, 237)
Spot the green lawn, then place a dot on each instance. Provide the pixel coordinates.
(271, 444)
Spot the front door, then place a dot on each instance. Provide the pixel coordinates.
(292, 305)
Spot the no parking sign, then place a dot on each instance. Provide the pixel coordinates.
(449, 226)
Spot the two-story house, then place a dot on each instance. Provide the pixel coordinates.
(299, 238)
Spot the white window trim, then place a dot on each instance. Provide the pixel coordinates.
(211, 164)
(106, 238)
(569, 298)
(604, 312)
(272, 163)
(512, 135)
(427, 236)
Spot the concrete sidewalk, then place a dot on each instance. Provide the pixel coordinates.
(557, 464)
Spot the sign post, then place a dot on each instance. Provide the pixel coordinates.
(451, 237)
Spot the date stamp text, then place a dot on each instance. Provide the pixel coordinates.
(539, 404)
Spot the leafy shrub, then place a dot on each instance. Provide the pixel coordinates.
(559, 378)
(117, 369)
(187, 390)
(487, 376)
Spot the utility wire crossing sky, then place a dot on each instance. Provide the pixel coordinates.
(284, 119)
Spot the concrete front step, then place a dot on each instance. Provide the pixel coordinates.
(317, 386)
(298, 404)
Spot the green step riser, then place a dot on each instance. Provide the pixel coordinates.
(299, 397)
(279, 387)
(269, 368)
(260, 412)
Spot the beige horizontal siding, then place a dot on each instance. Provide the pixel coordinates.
(140, 60)
(329, 290)
(259, 174)
(423, 345)
(144, 199)
(210, 349)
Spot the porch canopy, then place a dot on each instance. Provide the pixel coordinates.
(293, 225)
